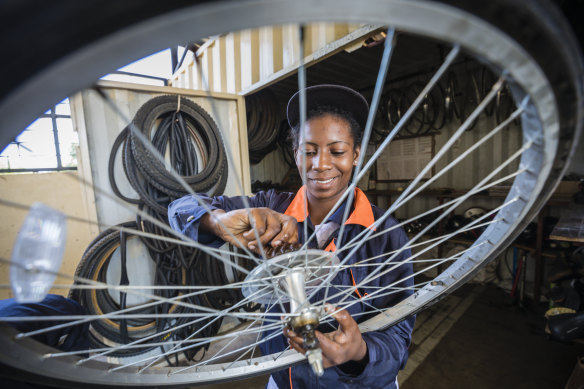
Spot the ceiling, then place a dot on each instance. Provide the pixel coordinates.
(412, 57)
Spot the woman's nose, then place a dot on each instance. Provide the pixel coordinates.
(321, 162)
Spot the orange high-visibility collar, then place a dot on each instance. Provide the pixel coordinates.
(362, 212)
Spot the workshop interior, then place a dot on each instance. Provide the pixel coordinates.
(473, 144)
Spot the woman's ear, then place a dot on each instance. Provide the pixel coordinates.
(356, 154)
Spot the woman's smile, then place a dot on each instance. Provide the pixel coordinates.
(323, 182)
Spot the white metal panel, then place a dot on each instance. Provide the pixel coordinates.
(290, 45)
(246, 58)
(232, 61)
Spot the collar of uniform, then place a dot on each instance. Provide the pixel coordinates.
(362, 212)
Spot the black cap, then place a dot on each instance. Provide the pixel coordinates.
(329, 95)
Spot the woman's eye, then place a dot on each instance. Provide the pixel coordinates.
(337, 153)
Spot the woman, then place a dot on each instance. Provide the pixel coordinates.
(331, 141)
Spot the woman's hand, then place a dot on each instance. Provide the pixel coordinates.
(338, 347)
(236, 228)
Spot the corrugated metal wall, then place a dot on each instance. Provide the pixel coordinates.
(240, 62)
(470, 170)
(271, 168)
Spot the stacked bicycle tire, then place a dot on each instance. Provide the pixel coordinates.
(264, 123)
(184, 132)
(442, 105)
(187, 136)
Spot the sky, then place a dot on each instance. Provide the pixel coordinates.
(157, 64)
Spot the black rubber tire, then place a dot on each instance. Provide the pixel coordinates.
(111, 167)
(263, 124)
(451, 107)
(139, 183)
(145, 120)
(94, 255)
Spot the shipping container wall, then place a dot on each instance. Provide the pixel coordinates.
(245, 61)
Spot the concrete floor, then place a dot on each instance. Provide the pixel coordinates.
(497, 345)
(477, 339)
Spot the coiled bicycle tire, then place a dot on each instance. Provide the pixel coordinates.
(205, 126)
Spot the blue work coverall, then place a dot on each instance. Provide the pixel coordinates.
(387, 349)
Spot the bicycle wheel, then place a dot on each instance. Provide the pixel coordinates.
(527, 42)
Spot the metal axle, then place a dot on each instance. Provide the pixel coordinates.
(306, 318)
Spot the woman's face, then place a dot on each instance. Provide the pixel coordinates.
(330, 156)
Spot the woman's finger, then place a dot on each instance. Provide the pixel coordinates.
(293, 336)
(294, 340)
(343, 317)
(288, 233)
(267, 226)
(257, 221)
(273, 227)
(327, 345)
(296, 346)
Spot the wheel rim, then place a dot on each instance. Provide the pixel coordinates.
(540, 124)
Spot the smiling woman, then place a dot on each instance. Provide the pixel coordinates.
(326, 152)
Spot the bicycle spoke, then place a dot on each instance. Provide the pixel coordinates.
(121, 314)
(216, 253)
(302, 127)
(401, 224)
(389, 45)
(207, 341)
(377, 293)
(146, 143)
(278, 291)
(467, 152)
(445, 65)
(377, 274)
(443, 150)
(269, 337)
(451, 140)
(218, 353)
(356, 240)
(199, 342)
(220, 316)
(395, 288)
